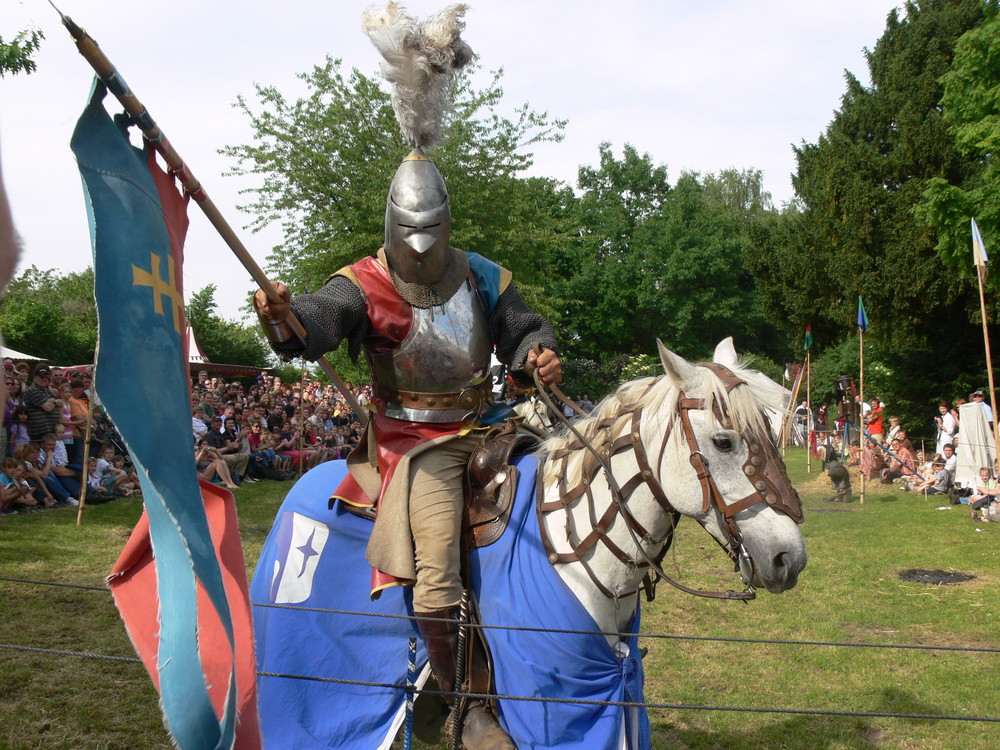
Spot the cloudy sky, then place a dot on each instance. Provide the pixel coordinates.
(700, 86)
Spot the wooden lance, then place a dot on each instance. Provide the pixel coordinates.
(116, 84)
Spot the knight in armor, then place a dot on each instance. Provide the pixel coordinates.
(427, 316)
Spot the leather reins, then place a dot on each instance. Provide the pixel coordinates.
(764, 470)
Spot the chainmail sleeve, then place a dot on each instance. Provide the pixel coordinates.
(335, 312)
(515, 328)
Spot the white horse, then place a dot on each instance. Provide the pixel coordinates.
(771, 537)
(693, 442)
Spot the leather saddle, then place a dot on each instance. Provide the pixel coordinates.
(490, 486)
(492, 483)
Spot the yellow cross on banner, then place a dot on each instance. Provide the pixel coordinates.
(160, 288)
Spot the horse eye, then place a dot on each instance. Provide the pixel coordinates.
(722, 443)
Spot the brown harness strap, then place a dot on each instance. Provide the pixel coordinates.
(768, 488)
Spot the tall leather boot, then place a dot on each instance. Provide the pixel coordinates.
(439, 631)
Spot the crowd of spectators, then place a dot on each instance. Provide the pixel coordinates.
(241, 432)
(42, 440)
(270, 429)
(885, 453)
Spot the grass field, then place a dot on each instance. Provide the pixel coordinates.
(850, 592)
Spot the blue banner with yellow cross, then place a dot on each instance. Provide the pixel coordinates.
(138, 221)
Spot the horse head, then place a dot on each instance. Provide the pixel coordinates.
(727, 473)
(694, 442)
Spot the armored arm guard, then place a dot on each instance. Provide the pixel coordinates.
(515, 328)
(335, 312)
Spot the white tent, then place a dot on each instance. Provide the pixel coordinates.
(195, 355)
(6, 351)
(975, 444)
(197, 360)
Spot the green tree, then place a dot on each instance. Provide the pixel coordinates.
(855, 226)
(50, 315)
(16, 55)
(859, 185)
(603, 271)
(661, 260)
(326, 162)
(970, 106)
(224, 341)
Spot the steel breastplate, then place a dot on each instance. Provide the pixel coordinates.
(437, 373)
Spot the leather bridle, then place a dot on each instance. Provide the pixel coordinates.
(763, 467)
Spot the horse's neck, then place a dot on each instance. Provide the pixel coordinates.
(622, 579)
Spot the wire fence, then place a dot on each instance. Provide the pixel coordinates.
(412, 690)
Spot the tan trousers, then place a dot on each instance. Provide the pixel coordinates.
(436, 503)
(237, 463)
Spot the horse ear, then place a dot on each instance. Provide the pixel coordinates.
(725, 353)
(678, 369)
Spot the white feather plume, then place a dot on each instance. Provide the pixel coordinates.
(420, 60)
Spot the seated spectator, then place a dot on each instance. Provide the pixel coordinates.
(69, 475)
(198, 424)
(950, 458)
(16, 494)
(943, 480)
(228, 448)
(48, 456)
(302, 458)
(854, 454)
(925, 472)
(281, 444)
(27, 454)
(985, 492)
(261, 446)
(316, 445)
(107, 476)
(901, 463)
(210, 465)
(131, 485)
(872, 459)
(96, 492)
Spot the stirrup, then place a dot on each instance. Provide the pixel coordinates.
(480, 729)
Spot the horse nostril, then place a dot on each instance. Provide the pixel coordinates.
(780, 560)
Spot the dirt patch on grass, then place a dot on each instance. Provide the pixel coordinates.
(936, 577)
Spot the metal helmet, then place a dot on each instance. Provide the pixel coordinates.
(418, 221)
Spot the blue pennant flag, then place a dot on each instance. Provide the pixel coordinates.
(862, 316)
(137, 222)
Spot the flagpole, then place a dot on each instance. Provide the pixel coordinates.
(980, 273)
(781, 437)
(302, 418)
(110, 76)
(82, 500)
(808, 412)
(861, 411)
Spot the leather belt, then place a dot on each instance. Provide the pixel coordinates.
(471, 399)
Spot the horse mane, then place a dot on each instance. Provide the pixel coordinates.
(658, 396)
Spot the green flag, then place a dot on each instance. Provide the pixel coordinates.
(809, 338)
